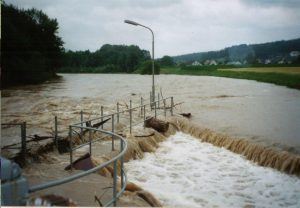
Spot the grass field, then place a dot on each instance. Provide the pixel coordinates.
(284, 70)
(265, 74)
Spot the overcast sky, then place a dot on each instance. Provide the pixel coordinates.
(180, 26)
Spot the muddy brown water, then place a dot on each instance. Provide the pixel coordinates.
(262, 112)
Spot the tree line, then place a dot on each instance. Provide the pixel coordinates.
(107, 59)
(277, 50)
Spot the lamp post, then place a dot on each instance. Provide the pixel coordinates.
(138, 24)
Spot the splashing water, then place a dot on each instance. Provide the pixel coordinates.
(186, 172)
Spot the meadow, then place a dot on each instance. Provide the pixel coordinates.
(285, 76)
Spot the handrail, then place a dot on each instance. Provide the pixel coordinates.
(67, 179)
(124, 111)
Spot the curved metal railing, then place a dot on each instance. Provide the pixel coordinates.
(114, 160)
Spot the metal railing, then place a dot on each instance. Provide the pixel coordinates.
(150, 107)
(114, 160)
(22, 127)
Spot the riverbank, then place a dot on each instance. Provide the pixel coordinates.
(262, 74)
(284, 75)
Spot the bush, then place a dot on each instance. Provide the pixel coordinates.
(146, 68)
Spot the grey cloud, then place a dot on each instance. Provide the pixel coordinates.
(273, 3)
(180, 26)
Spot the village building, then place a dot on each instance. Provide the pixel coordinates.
(268, 61)
(196, 63)
(294, 53)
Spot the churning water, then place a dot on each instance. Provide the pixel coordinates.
(240, 108)
(186, 172)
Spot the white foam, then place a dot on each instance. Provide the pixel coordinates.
(186, 172)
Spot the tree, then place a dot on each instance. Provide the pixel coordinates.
(146, 68)
(166, 61)
(31, 49)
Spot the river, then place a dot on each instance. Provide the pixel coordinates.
(183, 171)
(262, 112)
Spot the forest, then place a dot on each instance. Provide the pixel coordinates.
(31, 49)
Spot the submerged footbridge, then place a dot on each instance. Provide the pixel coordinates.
(86, 135)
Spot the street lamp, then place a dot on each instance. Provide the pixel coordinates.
(138, 24)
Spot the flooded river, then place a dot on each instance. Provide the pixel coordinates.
(262, 112)
(183, 171)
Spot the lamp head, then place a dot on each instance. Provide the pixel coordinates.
(131, 22)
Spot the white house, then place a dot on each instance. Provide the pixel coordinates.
(294, 53)
(196, 63)
(282, 61)
(234, 63)
(213, 62)
(267, 61)
(210, 62)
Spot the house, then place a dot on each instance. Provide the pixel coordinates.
(294, 53)
(282, 61)
(196, 63)
(213, 62)
(210, 62)
(259, 61)
(267, 61)
(234, 63)
(207, 62)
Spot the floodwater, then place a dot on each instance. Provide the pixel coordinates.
(262, 112)
(204, 175)
(184, 172)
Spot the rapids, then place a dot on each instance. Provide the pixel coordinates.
(184, 172)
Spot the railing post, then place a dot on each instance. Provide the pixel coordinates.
(115, 180)
(112, 130)
(23, 141)
(71, 148)
(101, 116)
(144, 115)
(158, 102)
(130, 116)
(81, 124)
(122, 164)
(165, 112)
(118, 111)
(55, 131)
(155, 114)
(150, 98)
(90, 141)
(141, 106)
(172, 103)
